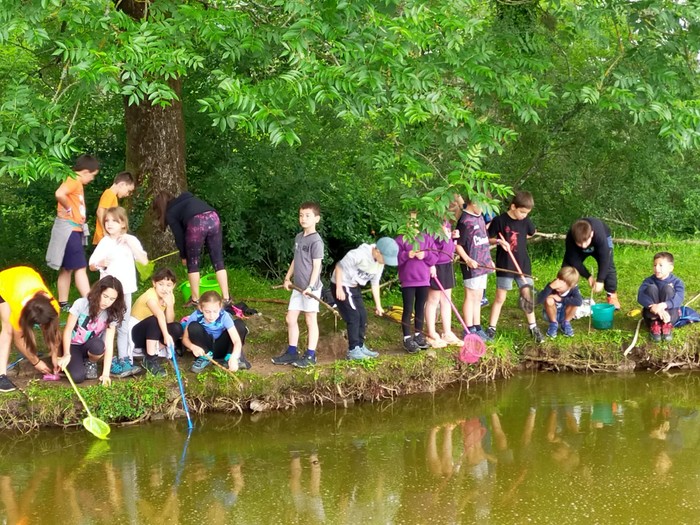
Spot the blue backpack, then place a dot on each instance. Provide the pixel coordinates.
(688, 315)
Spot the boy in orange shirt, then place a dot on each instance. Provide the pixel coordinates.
(65, 252)
(122, 186)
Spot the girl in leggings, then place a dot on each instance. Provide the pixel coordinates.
(194, 223)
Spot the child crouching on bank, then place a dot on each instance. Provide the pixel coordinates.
(560, 299)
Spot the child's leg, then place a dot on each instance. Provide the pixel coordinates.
(94, 349)
(503, 284)
(474, 299)
(214, 243)
(350, 314)
(431, 305)
(550, 308)
(446, 311)
(199, 336)
(293, 327)
(63, 284)
(421, 298)
(360, 304)
(222, 346)
(570, 313)
(408, 295)
(123, 330)
(312, 326)
(76, 366)
(82, 283)
(467, 306)
(193, 278)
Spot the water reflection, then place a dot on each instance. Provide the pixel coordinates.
(545, 449)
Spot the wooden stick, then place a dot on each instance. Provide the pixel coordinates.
(692, 300)
(634, 340)
(216, 363)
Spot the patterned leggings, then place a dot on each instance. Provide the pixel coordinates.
(202, 229)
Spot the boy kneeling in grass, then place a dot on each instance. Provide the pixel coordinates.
(211, 332)
(560, 299)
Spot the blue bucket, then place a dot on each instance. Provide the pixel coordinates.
(602, 316)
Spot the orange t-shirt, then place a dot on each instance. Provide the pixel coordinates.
(76, 196)
(17, 286)
(107, 200)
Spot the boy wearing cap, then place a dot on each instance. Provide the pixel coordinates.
(360, 266)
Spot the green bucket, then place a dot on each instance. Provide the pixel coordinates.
(602, 316)
(206, 283)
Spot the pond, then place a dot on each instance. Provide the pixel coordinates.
(540, 448)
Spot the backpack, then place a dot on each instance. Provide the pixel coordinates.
(688, 316)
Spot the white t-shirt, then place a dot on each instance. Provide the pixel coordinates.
(121, 264)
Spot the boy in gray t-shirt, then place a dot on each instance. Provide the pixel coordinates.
(304, 273)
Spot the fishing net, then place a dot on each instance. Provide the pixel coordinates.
(472, 349)
(96, 427)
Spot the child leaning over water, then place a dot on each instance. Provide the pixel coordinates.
(88, 319)
(115, 255)
(153, 325)
(560, 299)
(661, 296)
(212, 331)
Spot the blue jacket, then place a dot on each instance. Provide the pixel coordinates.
(676, 301)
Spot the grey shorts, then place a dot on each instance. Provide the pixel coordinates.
(301, 303)
(506, 283)
(476, 283)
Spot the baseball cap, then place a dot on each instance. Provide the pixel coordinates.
(389, 250)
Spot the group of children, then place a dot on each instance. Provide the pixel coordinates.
(425, 269)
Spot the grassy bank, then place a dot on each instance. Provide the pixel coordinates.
(334, 380)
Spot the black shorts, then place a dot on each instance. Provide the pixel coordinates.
(446, 275)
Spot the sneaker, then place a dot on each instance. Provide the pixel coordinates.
(305, 361)
(244, 364)
(200, 364)
(356, 354)
(226, 303)
(410, 345)
(484, 336)
(90, 369)
(491, 332)
(368, 352)
(451, 339)
(192, 303)
(151, 365)
(484, 301)
(655, 331)
(436, 342)
(612, 299)
(6, 385)
(65, 307)
(567, 329)
(667, 332)
(552, 330)
(286, 358)
(536, 334)
(421, 341)
(117, 367)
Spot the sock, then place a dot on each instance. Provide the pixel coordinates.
(62, 303)
(532, 325)
(491, 327)
(310, 353)
(291, 349)
(406, 337)
(416, 334)
(478, 327)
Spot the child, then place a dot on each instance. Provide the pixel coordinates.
(305, 270)
(591, 237)
(561, 298)
(359, 266)
(65, 252)
(88, 319)
(445, 273)
(115, 255)
(153, 317)
(661, 296)
(211, 330)
(122, 186)
(516, 228)
(473, 249)
(415, 268)
(25, 301)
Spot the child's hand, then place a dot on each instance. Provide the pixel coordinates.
(169, 299)
(42, 367)
(105, 379)
(184, 262)
(433, 271)
(379, 311)
(411, 254)
(420, 255)
(169, 341)
(197, 351)
(503, 244)
(340, 293)
(472, 263)
(665, 316)
(287, 284)
(233, 363)
(63, 361)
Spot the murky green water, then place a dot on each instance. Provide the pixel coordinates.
(536, 449)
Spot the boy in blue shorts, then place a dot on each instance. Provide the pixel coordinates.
(212, 331)
(515, 228)
(305, 271)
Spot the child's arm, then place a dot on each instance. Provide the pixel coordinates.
(237, 348)
(61, 195)
(463, 255)
(162, 316)
(109, 352)
(377, 299)
(99, 260)
(197, 351)
(140, 256)
(288, 277)
(63, 361)
(315, 273)
(339, 292)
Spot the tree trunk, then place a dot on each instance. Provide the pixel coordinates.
(155, 150)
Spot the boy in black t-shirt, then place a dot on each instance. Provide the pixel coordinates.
(515, 228)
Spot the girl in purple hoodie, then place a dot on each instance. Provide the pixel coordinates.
(416, 267)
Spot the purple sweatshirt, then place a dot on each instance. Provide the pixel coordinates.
(416, 272)
(445, 247)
